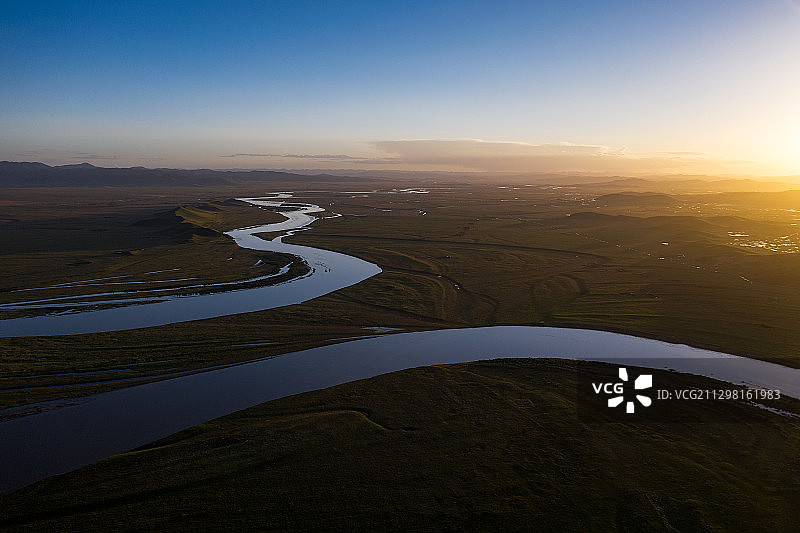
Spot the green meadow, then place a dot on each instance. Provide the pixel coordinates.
(489, 446)
(716, 271)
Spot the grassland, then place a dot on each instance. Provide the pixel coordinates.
(128, 254)
(522, 256)
(675, 267)
(486, 446)
(501, 445)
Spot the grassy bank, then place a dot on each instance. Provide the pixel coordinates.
(483, 446)
(707, 270)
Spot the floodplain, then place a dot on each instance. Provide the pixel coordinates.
(681, 267)
(477, 446)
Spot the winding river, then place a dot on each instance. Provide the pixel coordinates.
(38, 446)
(56, 441)
(329, 271)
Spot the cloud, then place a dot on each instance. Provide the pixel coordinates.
(69, 157)
(457, 155)
(686, 154)
(325, 157)
(475, 154)
(94, 156)
(65, 155)
(511, 157)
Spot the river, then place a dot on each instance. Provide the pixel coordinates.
(38, 446)
(329, 271)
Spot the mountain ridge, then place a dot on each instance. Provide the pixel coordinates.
(33, 174)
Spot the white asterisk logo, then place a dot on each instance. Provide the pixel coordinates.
(645, 381)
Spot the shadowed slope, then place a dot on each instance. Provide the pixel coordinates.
(484, 446)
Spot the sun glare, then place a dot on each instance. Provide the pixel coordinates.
(787, 153)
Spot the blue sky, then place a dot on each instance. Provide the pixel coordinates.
(629, 86)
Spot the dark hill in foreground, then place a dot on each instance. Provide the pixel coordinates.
(484, 446)
(14, 174)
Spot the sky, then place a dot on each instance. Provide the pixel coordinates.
(635, 87)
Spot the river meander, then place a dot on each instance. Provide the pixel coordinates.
(329, 271)
(56, 441)
(38, 446)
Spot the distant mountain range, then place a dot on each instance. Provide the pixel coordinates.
(14, 174)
